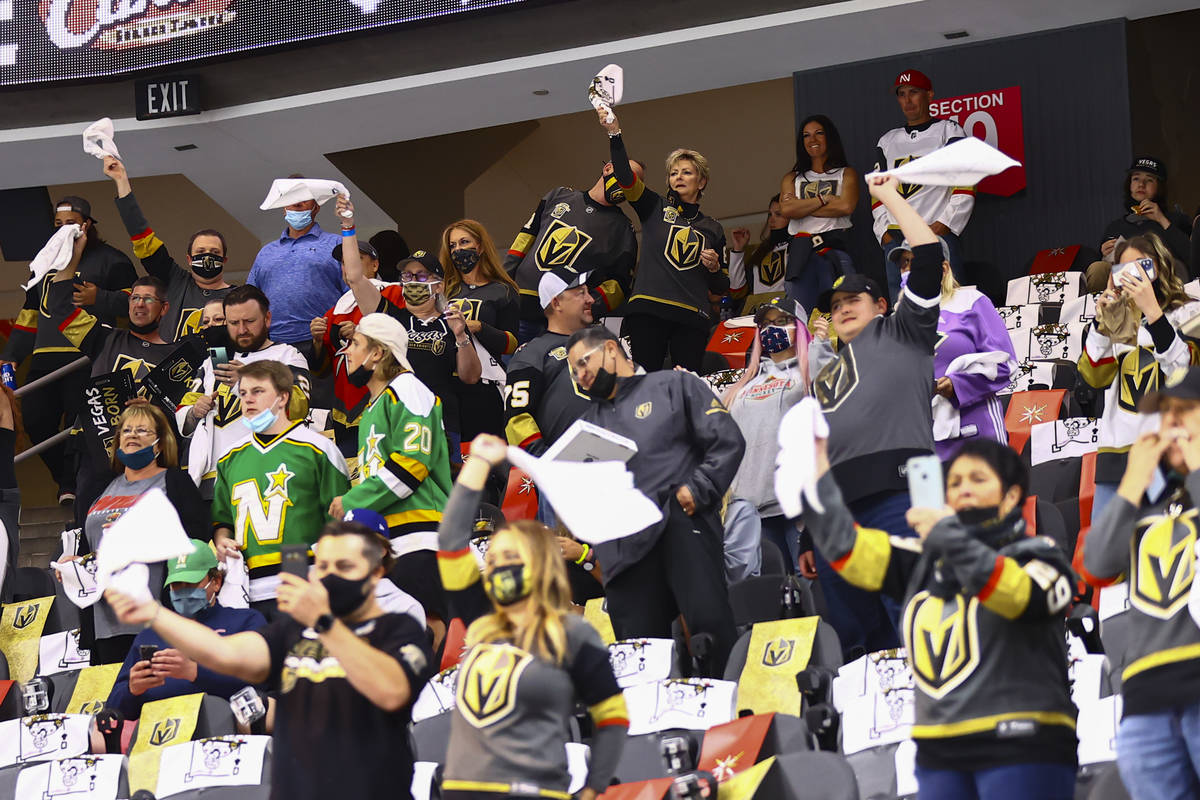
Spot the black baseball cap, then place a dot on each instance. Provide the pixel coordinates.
(363, 247)
(76, 204)
(427, 260)
(1181, 384)
(781, 303)
(1149, 164)
(852, 284)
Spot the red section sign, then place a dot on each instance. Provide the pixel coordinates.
(995, 117)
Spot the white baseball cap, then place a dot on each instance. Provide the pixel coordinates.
(553, 284)
(388, 332)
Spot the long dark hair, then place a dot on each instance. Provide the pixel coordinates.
(835, 152)
(1002, 459)
(766, 245)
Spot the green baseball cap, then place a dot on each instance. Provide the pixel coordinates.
(193, 567)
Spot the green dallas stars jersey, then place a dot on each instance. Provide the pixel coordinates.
(275, 490)
(403, 458)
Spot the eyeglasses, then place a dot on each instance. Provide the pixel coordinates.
(140, 433)
(413, 277)
(143, 299)
(582, 361)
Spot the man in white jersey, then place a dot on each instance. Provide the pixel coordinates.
(945, 208)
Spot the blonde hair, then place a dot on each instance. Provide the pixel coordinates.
(950, 284)
(489, 259)
(1168, 287)
(549, 598)
(687, 154)
(168, 450)
(388, 367)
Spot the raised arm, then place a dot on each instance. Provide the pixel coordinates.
(456, 562)
(643, 199)
(365, 293)
(925, 280)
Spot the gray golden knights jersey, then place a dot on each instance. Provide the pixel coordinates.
(541, 399)
(949, 205)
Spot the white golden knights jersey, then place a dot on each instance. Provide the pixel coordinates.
(949, 205)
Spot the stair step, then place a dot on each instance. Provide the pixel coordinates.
(39, 514)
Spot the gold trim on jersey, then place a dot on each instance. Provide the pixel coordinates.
(664, 301)
(989, 723)
(1172, 655)
(500, 788)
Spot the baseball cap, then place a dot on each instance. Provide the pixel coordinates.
(427, 260)
(556, 282)
(905, 247)
(1149, 164)
(388, 332)
(853, 284)
(76, 204)
(781, 303)
(913, 77)
(193, 567)
(363, 247)
(368, 518)
(1183, 384)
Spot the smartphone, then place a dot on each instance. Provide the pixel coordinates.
(925, 488)
(1120, 270)
(440, 303)
(294, 560)
(219, 355)
(147, 651)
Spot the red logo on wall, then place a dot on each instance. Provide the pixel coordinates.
(124, 24)
(995, 117)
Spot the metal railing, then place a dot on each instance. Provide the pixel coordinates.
(46, 380)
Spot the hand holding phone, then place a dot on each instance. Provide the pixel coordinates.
(294, 560)
(147, 651)
(925, 489)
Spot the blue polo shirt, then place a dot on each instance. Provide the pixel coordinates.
(301, 279)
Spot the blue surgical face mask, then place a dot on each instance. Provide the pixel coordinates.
(138, 459)
(190, 601)
(298, 220)
(260, 421)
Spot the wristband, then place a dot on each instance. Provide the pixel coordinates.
(463, 343)
(583, 557)
(614, 134)
(347, 232)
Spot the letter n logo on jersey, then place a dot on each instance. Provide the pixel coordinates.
(684, 244)
(943, 641)
(1139, 375)
(487, 683)
(836, 381)
(1164, 566)
(561, 246)
(258, 513)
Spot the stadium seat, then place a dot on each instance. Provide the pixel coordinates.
(759, 599)
(732, 343)
(215, 718)
(1055, 480)
(31, 582)
(1025, 409)
(1108, 786)
(456, 634)
(826, 651)
(814, 775)
(875, 770)
(1050, 523)
(431, 738)
(520, 497)
(773, 560)
(1057, 259)
(62, 685)
(641, 760)
(1069, 511)
(3, 667)
(1114, 634)
(10, 701)
(8, 780)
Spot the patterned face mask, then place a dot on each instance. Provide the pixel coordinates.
(775, 339)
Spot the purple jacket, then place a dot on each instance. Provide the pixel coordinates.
(969, 324)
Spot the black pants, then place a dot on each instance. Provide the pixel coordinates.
(44, 411)
(651, 337)
(684, 573)
(417, 574)
(111, 650)
(480, 410)
(10, 512)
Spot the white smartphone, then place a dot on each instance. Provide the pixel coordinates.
(925, 488)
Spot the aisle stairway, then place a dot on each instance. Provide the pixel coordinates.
(41, 527)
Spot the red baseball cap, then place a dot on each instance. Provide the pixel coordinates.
(913, 77)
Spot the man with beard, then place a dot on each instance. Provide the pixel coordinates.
(211, 413)
(578, 232)
(347, 672)
(188, 290)
(137, 350)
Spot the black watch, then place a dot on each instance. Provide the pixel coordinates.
(323, 623)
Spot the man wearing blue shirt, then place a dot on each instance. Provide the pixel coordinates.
(193, 582)
(299, 275)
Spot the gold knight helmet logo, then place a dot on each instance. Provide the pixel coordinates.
(943, 641)
(836, 381)
(25, 616)
(778, 652)
(684, 244)
(487, 683)
(164, 731)
(561, 246)
(770, 271)
(1163, 565)
(1139, 375)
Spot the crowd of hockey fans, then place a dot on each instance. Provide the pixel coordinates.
(335, 438)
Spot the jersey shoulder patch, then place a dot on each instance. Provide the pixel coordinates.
(416, 397)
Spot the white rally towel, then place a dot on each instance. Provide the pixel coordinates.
(286, 191)
(796, 464)
(571, 488)
(55, 255)
(98, 139)
(1194, 596)
(945, 414)
(607, 88)
(962, 163)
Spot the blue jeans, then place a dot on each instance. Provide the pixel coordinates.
(783, 533)
(1159, 754)
(893, 270)
(1027, 781)
(865, 621)
(816, 278)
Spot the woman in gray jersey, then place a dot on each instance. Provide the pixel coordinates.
(528, 661)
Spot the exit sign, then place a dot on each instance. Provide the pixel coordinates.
(167, 97)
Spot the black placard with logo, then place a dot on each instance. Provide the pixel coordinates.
(104, 399)
(166, 384)
(53, 40)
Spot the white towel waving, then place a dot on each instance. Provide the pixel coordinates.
(606, 89)
(796, 464)
(55, 255)
(286, 191)
(962, 163)
(98, 139)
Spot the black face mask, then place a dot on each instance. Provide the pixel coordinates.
(143, 329)
(979, 516)
(778, 236)
(465, 259)
(602, 384)
(207, 265)
(508, 584)
(361, 376)
(345, 596)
